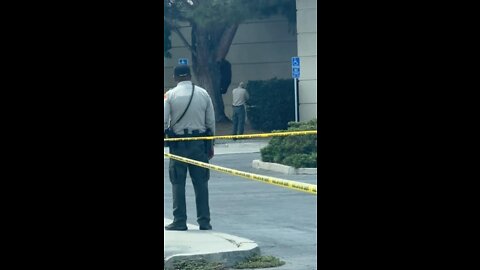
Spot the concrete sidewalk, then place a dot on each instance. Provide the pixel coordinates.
(209, 245)
(237, 147)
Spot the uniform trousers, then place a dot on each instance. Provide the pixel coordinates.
(195, 150)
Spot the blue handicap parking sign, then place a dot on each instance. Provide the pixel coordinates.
(183, 61)
(296, 67)
(295, 62)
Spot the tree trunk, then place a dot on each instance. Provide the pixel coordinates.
(208, 76)
(206, 60)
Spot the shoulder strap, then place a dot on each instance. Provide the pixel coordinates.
(190, 101)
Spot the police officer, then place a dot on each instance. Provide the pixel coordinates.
(197, 120)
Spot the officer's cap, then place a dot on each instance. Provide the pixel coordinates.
(181, 71)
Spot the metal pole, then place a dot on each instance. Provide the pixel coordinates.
(296, 102)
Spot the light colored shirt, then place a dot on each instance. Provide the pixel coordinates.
(200, 115)
(240, 96)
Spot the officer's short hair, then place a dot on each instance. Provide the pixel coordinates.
(182, 71)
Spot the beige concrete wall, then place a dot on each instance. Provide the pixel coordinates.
(307, 51)
(261, 50)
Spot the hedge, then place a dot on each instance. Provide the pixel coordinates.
(271, 104)
(295, 151)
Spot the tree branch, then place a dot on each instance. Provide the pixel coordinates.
(226, 42)
(182, 37)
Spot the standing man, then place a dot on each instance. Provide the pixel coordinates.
(188, 112)
(240, 97)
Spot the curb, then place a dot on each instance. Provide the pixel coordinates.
(228, 258)
(231, 249)
(257, 164)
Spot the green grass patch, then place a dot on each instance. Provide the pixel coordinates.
(198, 265)
(259, 262)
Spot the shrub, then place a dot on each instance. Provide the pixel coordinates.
(271, 104)
(295, 151)
(258, 261)
(198, 265)
(301, 160)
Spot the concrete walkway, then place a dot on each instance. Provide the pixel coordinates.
(211, 245)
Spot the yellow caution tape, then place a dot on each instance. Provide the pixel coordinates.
(247, 136)
(308, 188)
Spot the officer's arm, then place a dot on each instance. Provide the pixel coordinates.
(210, 116)
(210, 124)
(166, 111)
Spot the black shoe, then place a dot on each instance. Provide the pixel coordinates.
(205, 227)
(175, 227)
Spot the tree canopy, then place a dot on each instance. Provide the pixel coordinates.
(210, 14)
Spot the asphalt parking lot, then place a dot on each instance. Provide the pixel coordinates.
(282, 221)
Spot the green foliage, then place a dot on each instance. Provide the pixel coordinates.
(250, 263)
(211, 13)
(301, 160)
(271, 104)
(214, 13)
(198, 265)
(295, 151)
(259, 262)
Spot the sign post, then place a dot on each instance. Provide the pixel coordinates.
(295, 76)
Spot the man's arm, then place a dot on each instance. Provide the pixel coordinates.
(166, 111)
(210, 124)
(210, 116)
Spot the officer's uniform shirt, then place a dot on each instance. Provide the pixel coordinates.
(200, 115)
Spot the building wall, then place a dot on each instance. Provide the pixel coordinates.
(307, 51)
(261, 50)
